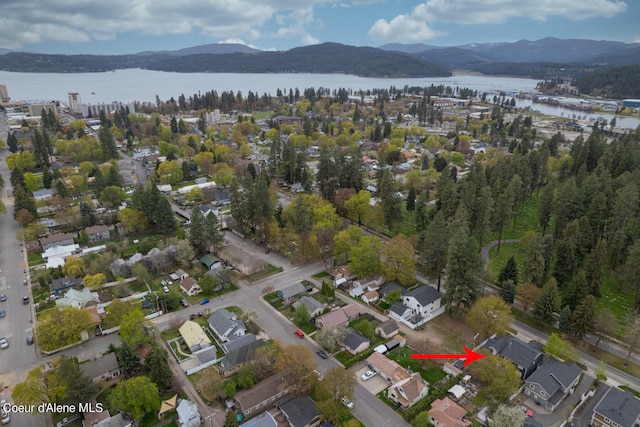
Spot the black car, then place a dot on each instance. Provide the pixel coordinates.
(322, 354)
(29, 340)
(3, 297)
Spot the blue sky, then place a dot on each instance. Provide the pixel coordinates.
(129, 26)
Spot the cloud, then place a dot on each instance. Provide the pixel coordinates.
(238, 41)
(33, 21)
(416, 25)
(402, 28)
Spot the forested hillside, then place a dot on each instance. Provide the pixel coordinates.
(618, 82)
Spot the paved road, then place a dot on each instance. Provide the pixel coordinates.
(19, 358)
(368, 408)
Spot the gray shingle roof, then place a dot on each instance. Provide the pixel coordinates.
(554, 375)
(620, 406)
(310, 303)
(300, 411)
(390, 287)
(398, 308)
(291, 291)
(425, 295)
(354, 339)
(241, 341)
(515, 350)
(388, 326)
(240, 355)
(103, 365)
(221, 320)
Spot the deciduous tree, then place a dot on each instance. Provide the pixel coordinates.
(132, 329)
(137, 396)
(508, 416)
(365, 257)
(560, 348)
(296, 364)
(398, 260)
(490, 315)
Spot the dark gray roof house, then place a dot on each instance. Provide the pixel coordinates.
(300, 412)
(399, 310)
(241, 341)
(241, 355)
(355, 342)
(424, 295)
(390, 287)
(387, 329)
(65, 282)
(290, 292)
(526, 356)
(552, 382)
(104, 368)
(313, 306)
(617, 408)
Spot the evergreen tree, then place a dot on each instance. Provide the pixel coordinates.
(583, 317)
(12, 143)
(576, 290)
(128, 360)
(464, 265)
(433, 248)
(533, 266)
(509, 272)
(411, 200)
(230, 419)
(391, 207)
(212, 232)
(564, 322)
(197, 236)
(164, 219)
(547, 303)
(156, 365)
(508, 291)
(108, 143)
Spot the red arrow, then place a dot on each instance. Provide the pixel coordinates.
(470, 356)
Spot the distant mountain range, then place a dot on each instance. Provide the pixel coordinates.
(549, 57)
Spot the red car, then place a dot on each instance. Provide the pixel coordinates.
(299, 333)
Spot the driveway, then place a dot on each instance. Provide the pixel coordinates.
(373, 385)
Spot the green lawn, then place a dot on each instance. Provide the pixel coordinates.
(430, 371)
(618, 299)
(320, 275)
(497, 262)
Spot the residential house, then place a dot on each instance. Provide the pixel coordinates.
(355, 342)
(370, 297)
(98, 233)
(371, 283)
(351, 311)
(423, 300)
(400, 311)
(408, 391)
(242, 261)
(552, 382)
(194, 336)
(265, 419)
(447, 413)
(356, 292)
(526, 356)
(301, 412)
(333, 318)
(313, 306)
(388, 369)
(58, 239)
(617, 408)
(297, 188)
(188, 415)
(387, 329)
(109, 421)
(102, 369)
(44, 194)
(239, 342)
(58, 285)
(210, 262)
(190, 287)
(261, 396)
(391, 286)
(78, 299)
(55, 256)
(291, 292)
(223, 197)
(239, 356)
(226, 325)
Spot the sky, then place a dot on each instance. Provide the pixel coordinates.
(130, 26)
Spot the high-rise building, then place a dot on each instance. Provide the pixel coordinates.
(75, 103)
(4, 95)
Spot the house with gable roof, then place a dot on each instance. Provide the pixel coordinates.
(291, 292)
(189, 286)
(313, 306)
(526, 356)
(387, 328)
(408, 391)
(194, 336)
(355, 342)
(552, 382)
(301, 412)
(447, 413)
(423, 300)
(226, 325)
(617, 408)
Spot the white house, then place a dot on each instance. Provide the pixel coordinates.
(188, 415)
(226, 325)
(423, 300)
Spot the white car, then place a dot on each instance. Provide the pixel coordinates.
(6, 418)
(346, 402)
(165, 289)
(4, 343)
(368, 375)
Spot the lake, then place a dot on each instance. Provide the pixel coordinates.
(144, 85)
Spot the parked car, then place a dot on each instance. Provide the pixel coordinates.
(368, 375)
(322, 354)
(299, 333)
(25, 300)
(165, 289)
(4, 343)
(2, 313)
(193, 316)
(317, 375)
(346, 402)
(184, 303)
(204, 301)
(6, 418)
(3, 297)
(29, 339)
